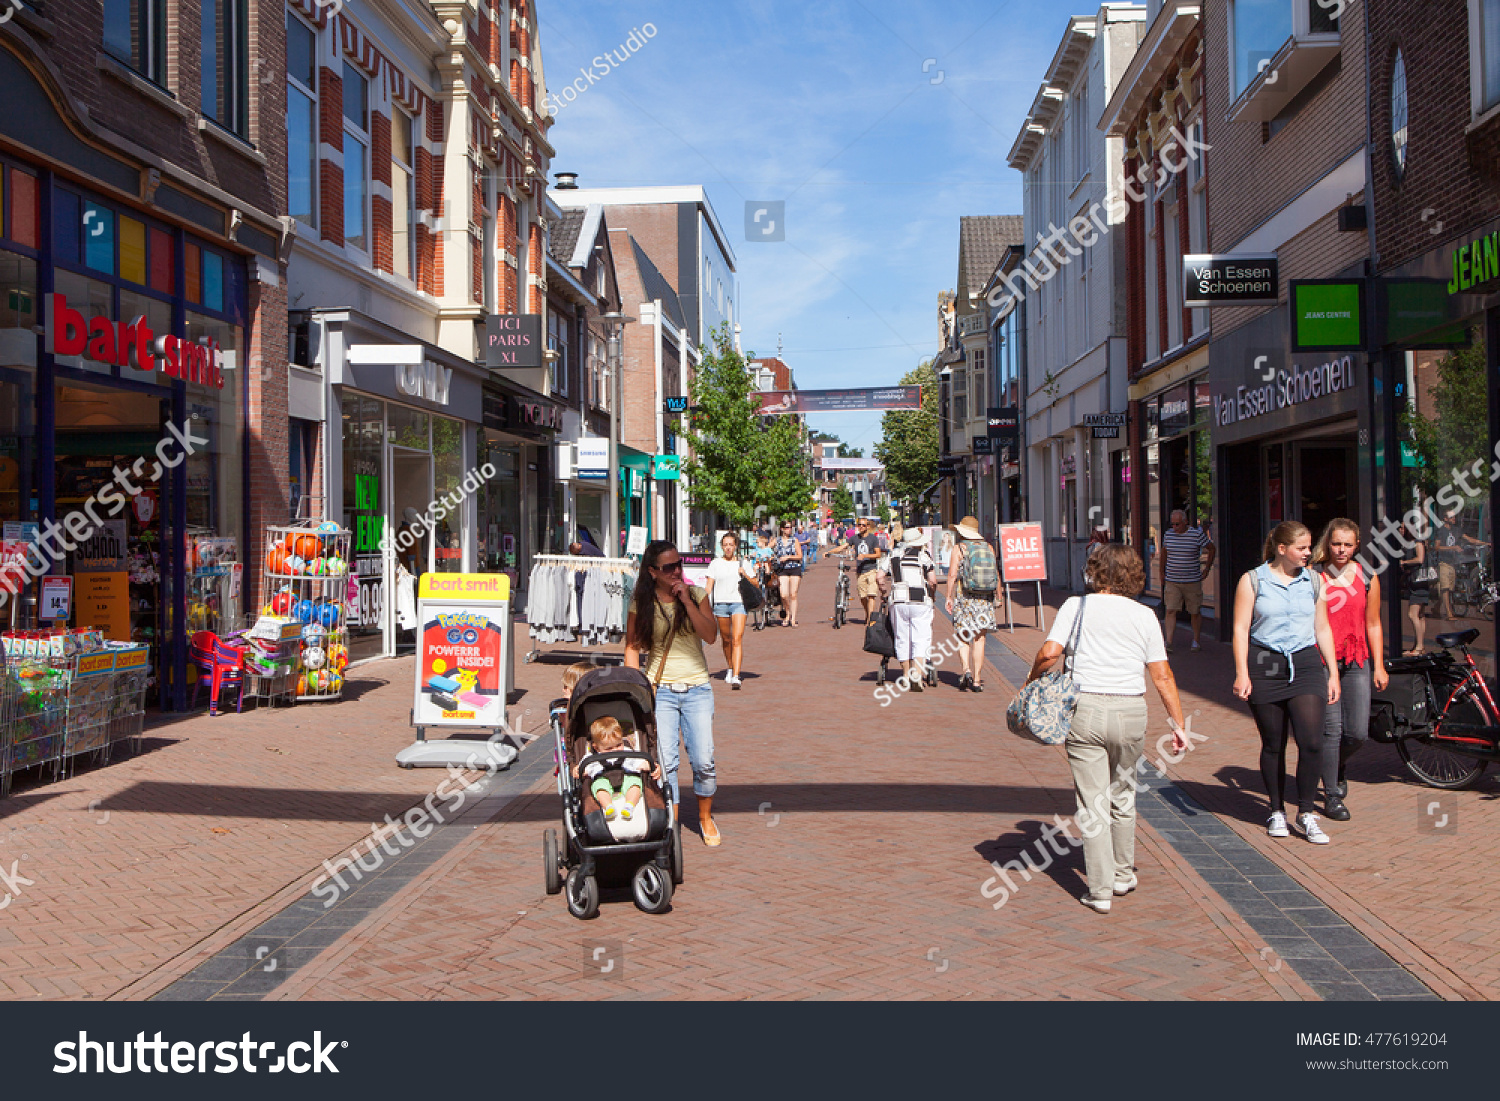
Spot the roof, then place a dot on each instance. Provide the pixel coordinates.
(982, 241)
(565, 235)
(654, 286)
(779, 371)
(646, 196)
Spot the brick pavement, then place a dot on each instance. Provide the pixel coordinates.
(856, 842)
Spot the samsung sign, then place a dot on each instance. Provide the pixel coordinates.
(1283, 389)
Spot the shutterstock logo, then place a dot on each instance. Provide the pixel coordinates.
(86, 1056)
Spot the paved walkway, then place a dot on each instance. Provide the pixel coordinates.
(857, 863)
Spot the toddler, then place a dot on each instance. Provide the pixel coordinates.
(604, 735)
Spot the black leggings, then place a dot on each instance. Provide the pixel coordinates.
(1304, 715)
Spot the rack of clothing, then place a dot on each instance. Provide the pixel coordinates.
(582, 600)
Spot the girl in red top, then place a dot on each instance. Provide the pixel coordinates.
(1358, 641)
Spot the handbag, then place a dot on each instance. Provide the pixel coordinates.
(878, 637)
(1043, 709)
(750, 595)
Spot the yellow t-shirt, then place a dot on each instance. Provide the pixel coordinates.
(685, 663)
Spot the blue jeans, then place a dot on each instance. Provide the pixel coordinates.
(688, 716)
(811, 551)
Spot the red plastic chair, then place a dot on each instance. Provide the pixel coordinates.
(218, 664)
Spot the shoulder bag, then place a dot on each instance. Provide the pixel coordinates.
(750, 595)
(1043, 709)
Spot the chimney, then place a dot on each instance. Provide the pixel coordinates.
(567, 181)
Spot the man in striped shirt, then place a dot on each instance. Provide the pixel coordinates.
(1184, 566)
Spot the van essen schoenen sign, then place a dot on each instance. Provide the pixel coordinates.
(1293, 387)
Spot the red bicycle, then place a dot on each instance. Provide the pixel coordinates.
(1440, 712)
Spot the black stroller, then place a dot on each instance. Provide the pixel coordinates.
(771, 609)
(653, 864)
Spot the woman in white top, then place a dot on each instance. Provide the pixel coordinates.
(729, 608)
(1119, 642)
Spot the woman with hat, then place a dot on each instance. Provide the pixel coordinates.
(973, 580)
(913, 581)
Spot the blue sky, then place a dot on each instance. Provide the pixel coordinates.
(827, 107)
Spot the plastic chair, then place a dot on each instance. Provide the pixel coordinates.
(220, 665)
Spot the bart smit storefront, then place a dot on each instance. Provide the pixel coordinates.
(123, 392)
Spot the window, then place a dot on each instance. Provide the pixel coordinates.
(404, 200)
(980, 388)
(1488, 53)
(301, 120)
(601, 286)
(1081, 130)
(960, 399)
(557, 341)
(356, 158)
(1398, 113)
(1262, 28)
(225, 83)
(135, 32)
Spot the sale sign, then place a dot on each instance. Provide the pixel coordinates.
(1022, 557)
(463, 621)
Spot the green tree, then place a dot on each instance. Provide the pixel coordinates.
(1458, 431)
(847, 452)
(909, 445)
(843, 503)
(737, 465)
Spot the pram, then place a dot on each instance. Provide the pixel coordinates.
(771, 609)
(654, 863)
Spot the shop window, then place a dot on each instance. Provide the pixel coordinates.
(132, 250)
(364, 515)
(223, 60)
(301, 119)
(1489, 53)
(135, 32)
(92, 298)
(98, 237)
(18, 309)
(409, 428)
(404, 197)
(193, 272)
(22, 216)
(447, 474)
(356, 158)
(162, 248)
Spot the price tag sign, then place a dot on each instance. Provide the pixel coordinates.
(57, 598)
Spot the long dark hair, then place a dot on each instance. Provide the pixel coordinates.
(643, 604)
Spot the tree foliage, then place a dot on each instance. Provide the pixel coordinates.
(737, 465)
(843, 503)
(1458, 431)
(909, 445)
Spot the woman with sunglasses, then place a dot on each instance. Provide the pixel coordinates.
(669, 622)
(788, 554)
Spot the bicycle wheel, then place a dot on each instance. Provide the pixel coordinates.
(1426, 757)
(1460, 598)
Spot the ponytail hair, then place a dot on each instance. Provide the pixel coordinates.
(1321, 552)
(1283, 534)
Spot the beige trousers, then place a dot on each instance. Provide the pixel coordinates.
(1106, 741)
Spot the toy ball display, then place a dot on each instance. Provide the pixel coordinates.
(314, 658)
(328, 615)
(335, 567)
(314, 634)
(305, 611)
(328, 527)
(296, 564)
(317, 567)
(282, 603)
(306, 546)
(276, 560)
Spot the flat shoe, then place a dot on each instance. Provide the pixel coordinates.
(714, 839)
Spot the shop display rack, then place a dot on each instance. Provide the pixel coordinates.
(306, 576)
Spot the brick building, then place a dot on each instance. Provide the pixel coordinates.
(1434, 101)
(417, 156)
(142, 290)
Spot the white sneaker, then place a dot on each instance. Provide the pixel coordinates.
(1125, 886)
(1307, 826)
(734, 682)
(1098, 905)
(1276, 826)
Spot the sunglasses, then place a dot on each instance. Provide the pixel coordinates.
(669, 567)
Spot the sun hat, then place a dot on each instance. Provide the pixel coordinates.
(968, 527)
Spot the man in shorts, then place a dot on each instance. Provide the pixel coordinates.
(1183, 569)
(866, 547)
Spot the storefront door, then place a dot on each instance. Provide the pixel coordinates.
(1326, 482)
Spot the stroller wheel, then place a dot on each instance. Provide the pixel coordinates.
(652, 888)
(677, 853)
(583, 895)
(550, 865)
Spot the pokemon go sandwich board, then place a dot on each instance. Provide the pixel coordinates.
(463, 620)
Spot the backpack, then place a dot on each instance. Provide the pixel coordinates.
(978, 572)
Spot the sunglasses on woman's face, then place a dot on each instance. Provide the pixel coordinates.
(669, 567)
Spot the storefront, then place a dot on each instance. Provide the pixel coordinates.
(1289, 432)
(1437, 398)
(635, 491)
(122, 417)
(401, 464)
(523, 507)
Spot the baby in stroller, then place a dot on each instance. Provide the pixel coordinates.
(607, 734)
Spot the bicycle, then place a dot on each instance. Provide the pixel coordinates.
(841, 598)
(1440, 713)
(1474, 587)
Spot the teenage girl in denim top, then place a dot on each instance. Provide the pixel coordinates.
(1284, 665)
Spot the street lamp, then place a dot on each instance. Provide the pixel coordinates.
(614, 323)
